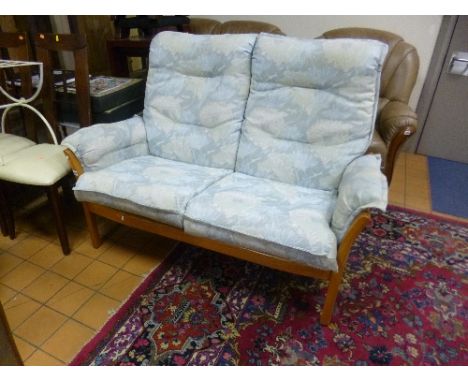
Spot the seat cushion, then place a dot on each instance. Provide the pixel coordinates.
(311, 108)
(275, 218)
(195, 98)
(9, 144)
(38, 165)
(149, 186)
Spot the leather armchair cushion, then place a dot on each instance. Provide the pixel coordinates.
(209, 26)
(236, 26)
(203, 26)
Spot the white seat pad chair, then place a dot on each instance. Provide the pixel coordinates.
(9, 144)
(37, 165)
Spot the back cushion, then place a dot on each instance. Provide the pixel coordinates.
(311, 108)
(195, 98)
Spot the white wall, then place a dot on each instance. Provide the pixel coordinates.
(420, 31)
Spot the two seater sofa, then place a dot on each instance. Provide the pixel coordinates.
(251, 145)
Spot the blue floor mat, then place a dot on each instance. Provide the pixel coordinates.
(449, 186)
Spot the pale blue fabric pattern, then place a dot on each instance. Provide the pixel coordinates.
(149, 186)
(311, 108)
(278, 219)
(102, 145)
(195, 96)
(363, 186)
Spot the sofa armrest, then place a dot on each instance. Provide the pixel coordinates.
(101, 145)
(362, 186)
(396, 117)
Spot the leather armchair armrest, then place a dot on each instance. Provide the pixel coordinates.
(396, 124)
(102, 145)
(396, 117)
(362, 186)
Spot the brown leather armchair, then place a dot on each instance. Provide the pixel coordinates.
(396, 122)
(209, 26)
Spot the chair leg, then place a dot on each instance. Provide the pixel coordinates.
(92, 226)
(54, 200)
(9, 355)
(3, 219)
(6, 215)
(3, 227)
(3, 223)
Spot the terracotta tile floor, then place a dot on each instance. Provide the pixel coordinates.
(55, 304)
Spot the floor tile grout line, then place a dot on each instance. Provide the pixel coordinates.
(52, 334)
(50, 355)
(32, 281)
(42, 304)
(14, 295)
(118, 282)
(60, 326)
(30, 314)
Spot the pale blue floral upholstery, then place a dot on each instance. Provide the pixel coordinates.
(279, 219)
(195, 96)
(311, 108)
(102, 145)
(363, 186)
(292, 117)
(149, 186)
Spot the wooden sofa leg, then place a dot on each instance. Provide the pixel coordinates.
(332, 293)
(92, 226)
(353, 232)
(55, 202)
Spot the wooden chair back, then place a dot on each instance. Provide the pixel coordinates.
(48, 43)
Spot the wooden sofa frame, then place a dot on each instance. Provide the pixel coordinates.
(91, 210)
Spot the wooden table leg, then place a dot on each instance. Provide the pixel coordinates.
(3, 224)
(6, 215)
(9, 355)
(3, 219)
(55, 202)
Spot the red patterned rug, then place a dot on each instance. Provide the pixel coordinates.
(404, 301)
